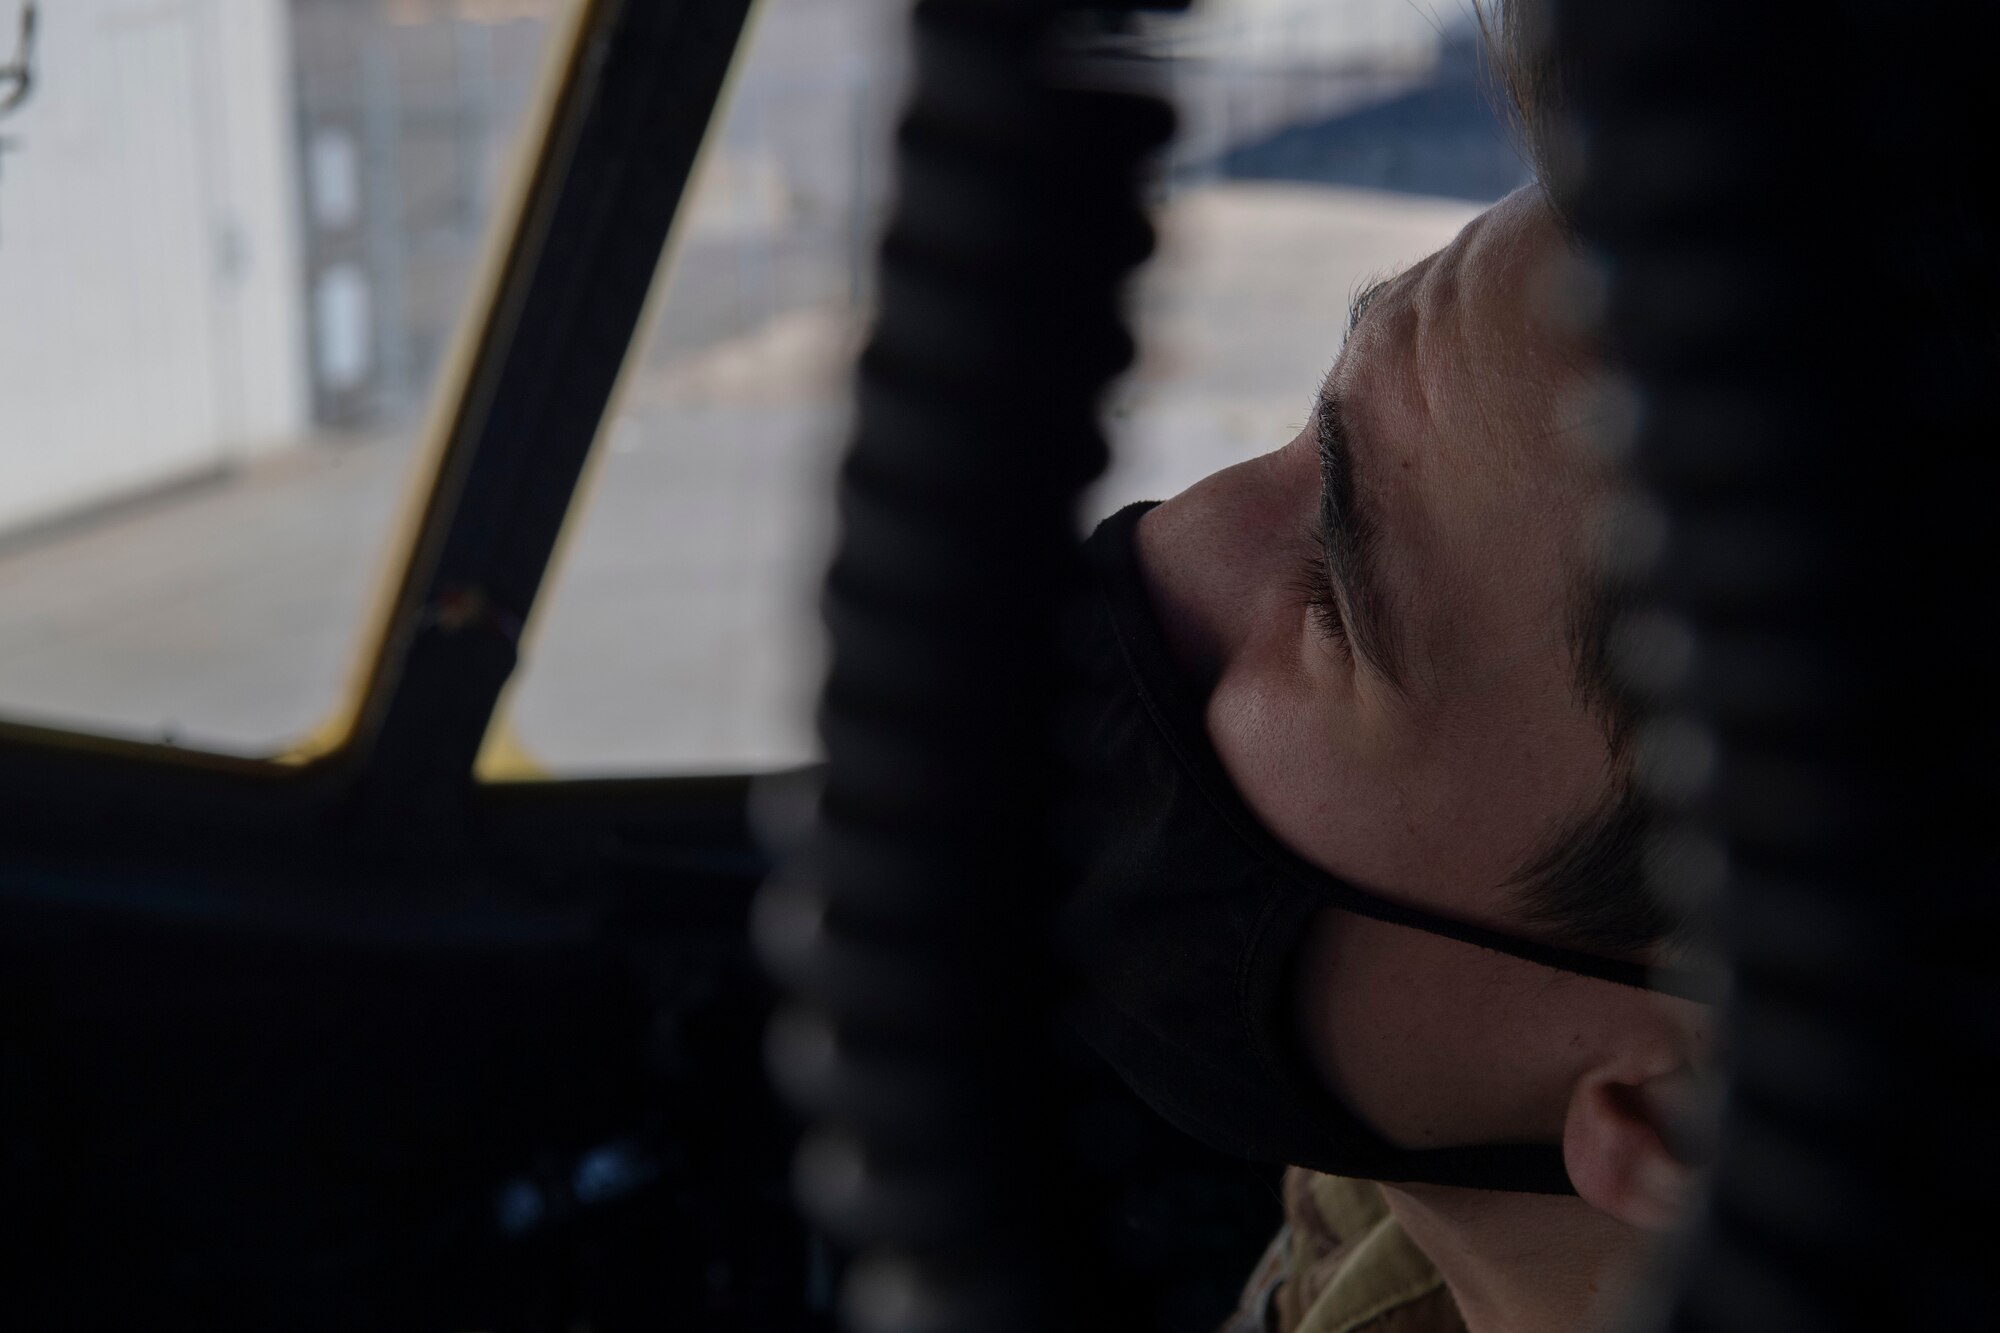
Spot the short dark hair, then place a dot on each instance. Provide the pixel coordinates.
(1586, 884)
(1521, 58)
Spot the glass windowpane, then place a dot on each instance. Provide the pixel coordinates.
(236, 239)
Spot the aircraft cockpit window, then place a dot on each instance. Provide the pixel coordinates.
(678, 632)
(238, 239)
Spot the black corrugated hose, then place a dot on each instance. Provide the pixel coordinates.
(912, 930)
(1801, 265)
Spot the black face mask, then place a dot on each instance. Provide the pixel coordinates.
(1187, 915)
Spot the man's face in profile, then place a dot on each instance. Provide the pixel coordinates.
(1384, 613)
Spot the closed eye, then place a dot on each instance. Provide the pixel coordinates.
(1313, 583)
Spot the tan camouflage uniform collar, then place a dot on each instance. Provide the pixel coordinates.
(1376, 1277)
(1342, 1264)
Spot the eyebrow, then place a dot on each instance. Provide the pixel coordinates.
(1364, 296)
(1348, 536)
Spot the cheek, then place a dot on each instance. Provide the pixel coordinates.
(1437, 809)
(1318, 767)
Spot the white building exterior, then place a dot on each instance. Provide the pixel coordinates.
(151, 304)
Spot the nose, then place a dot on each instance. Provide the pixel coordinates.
(1220, 560)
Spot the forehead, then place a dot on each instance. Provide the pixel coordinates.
(1479, 328)
(1457, 379)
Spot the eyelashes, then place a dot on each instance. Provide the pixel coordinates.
(1313, 585)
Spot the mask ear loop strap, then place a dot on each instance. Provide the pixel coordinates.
(1682, 983)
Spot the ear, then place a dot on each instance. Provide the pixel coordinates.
(1634, 1139)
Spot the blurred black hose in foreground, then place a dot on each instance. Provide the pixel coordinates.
(913, 932)
(1802, 286)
